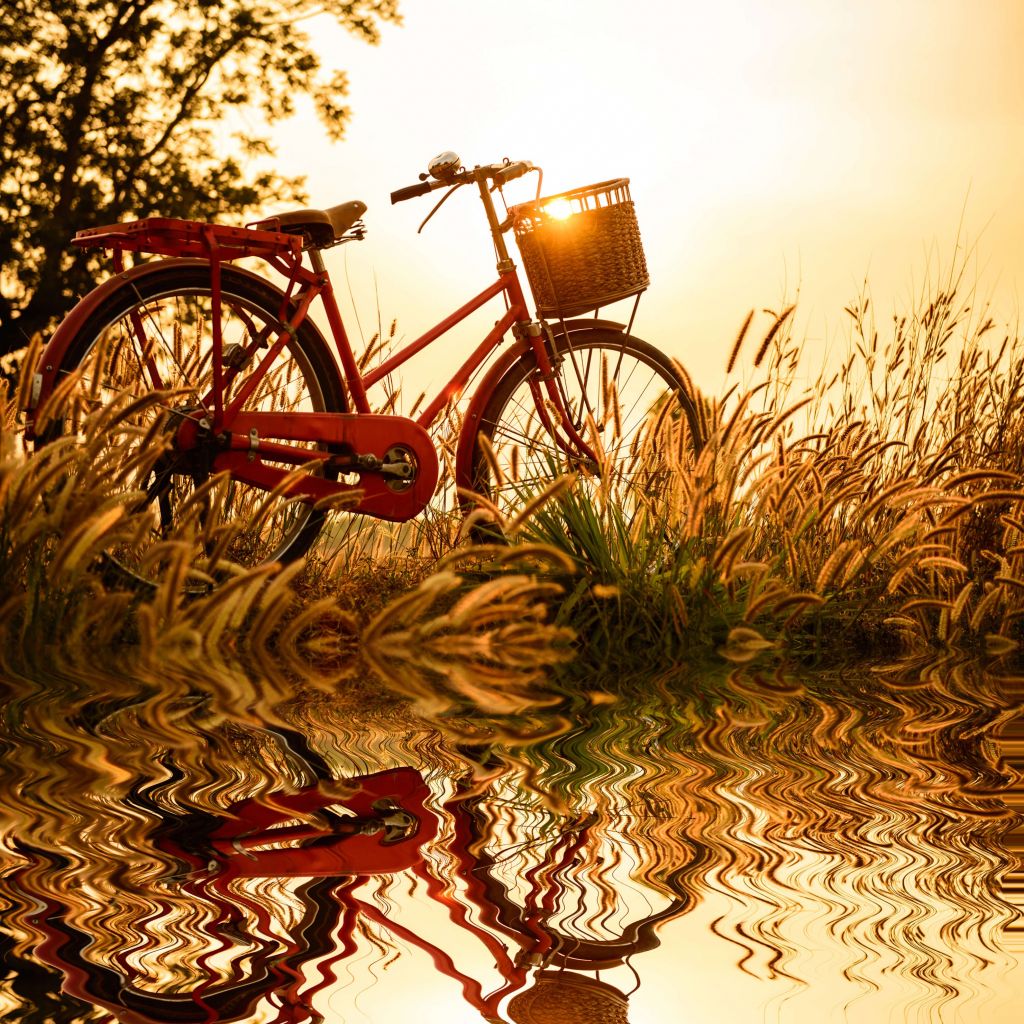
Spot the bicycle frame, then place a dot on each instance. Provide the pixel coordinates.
(517, 318)
(242, 433)
(317, 284)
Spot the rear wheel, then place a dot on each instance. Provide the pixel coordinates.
(612, 385)
(148, 348)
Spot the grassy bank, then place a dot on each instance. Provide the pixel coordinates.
(873, 506)
(417, 624)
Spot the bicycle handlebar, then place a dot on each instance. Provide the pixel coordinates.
(500, 174)
(509, 172)
(412, 191)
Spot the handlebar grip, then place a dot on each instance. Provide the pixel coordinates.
(511, 171)
(411, 192)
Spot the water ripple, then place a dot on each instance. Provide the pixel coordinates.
(161, 840)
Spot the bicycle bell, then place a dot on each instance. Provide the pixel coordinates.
(445, 165)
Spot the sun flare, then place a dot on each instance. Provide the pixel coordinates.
(560, 209)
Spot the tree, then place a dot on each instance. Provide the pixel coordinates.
(114, 109)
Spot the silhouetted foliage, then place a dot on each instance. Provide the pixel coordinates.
(115, 109)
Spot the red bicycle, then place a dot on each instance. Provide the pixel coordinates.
(258, 421)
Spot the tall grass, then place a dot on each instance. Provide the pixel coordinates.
(878, 505)
(65, 506)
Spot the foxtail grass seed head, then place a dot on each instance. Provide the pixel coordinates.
(735, 351)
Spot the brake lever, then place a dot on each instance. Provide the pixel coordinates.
(443, 200)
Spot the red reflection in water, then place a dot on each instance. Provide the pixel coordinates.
(385, 831)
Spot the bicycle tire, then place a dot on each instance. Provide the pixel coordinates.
(523, 457)
(170, 304)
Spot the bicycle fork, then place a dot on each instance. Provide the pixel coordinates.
(548, 377)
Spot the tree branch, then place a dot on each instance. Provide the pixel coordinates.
(182, 114)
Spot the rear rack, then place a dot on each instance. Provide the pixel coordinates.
(164, 236)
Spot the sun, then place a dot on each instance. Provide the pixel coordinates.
(560, 209)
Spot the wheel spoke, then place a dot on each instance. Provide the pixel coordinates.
(616, 381)
(156, 335)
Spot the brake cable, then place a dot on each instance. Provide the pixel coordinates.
(444, 199)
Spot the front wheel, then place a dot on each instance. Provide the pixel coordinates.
(148, 347)
(611, 386)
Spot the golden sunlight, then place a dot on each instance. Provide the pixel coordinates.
(560, 209)
(778, 148)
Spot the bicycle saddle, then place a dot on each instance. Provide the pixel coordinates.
(319, 227)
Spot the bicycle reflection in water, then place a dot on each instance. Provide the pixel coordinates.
(254, 956)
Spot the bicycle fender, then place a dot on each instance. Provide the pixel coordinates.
(572, 326)
(480, 398)
(56, 348)
(475, 411)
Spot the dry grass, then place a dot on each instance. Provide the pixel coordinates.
(63, 507)
(876, 506)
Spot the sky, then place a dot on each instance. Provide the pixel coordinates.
(777, 151)
(690, 978)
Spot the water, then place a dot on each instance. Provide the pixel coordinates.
(721, 844)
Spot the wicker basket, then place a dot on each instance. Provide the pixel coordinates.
(587, 259)
(560, 997)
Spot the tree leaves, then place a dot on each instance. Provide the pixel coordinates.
(112, 110)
